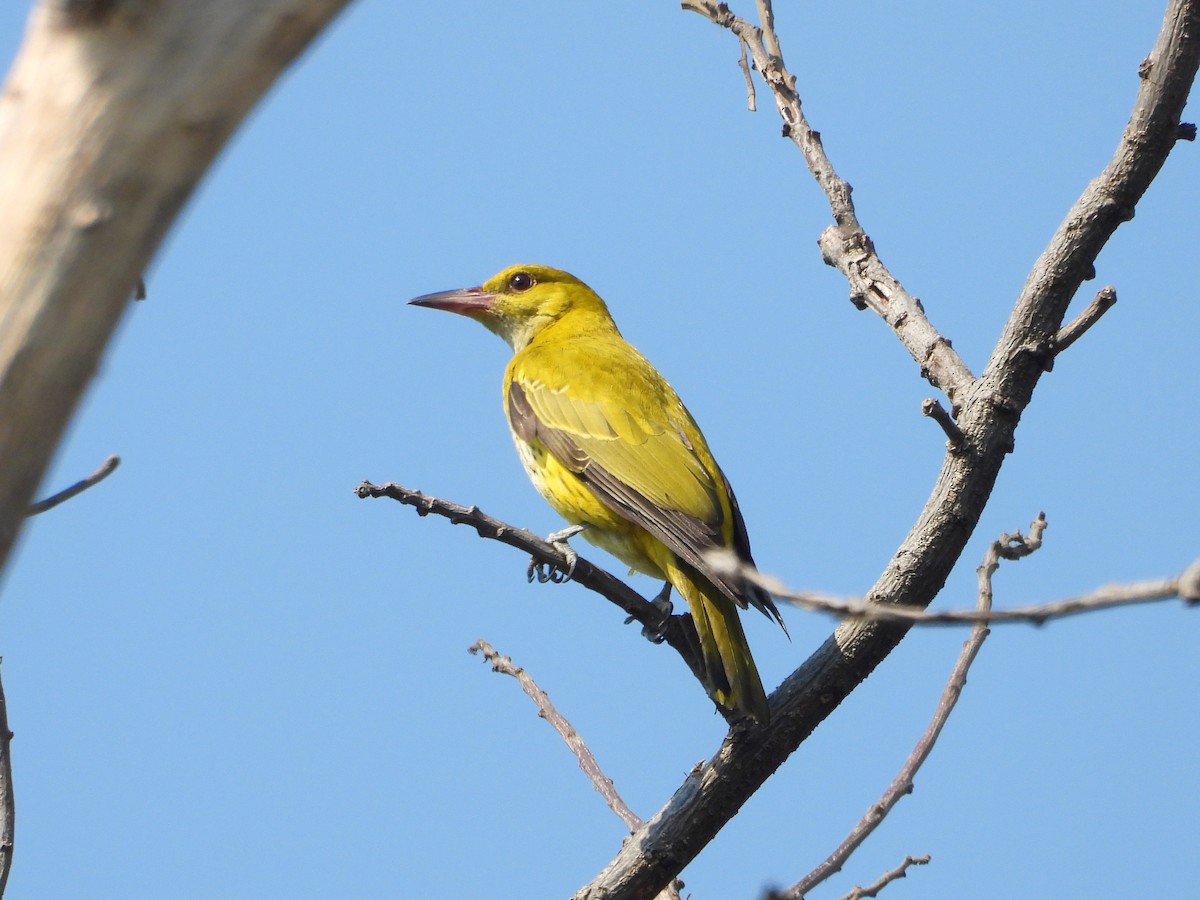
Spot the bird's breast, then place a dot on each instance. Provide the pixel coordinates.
(574, 501)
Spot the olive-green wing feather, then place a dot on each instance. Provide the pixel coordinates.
(645, 470)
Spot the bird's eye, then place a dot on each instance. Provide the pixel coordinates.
(520, 281)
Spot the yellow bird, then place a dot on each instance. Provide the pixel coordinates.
(608, 442)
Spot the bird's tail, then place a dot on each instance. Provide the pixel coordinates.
(733, 678)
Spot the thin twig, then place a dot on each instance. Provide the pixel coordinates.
(1075, 329)
(106, 468)
(8, 810)
(859, 609)
(678, 631)
(744, 65)
(1008, 546)
(1106, 597)
(601, 782)
(901, 871)
(934, 410)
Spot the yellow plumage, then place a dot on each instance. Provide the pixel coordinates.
(609, 444)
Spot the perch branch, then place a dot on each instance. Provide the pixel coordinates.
(678, 631)
(106, 468)
(987, 411)
(1008, 546)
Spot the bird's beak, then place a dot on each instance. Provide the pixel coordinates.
(465, 301)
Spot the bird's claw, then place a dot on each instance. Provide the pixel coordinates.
(661, 602)
(553, 572)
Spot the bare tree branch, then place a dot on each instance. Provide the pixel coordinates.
(583, 754)
(677, 631)
(846, 246)
(110, 115)
(860, 609)
(601, 782)
(901, 871)
(1106, 597)
(987, 411)
(106, 468)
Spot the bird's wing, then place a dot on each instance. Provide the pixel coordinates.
(645, 470)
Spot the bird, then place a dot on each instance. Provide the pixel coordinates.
(608, 443)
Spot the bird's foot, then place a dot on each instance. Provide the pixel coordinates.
(550, 572)
(662, 602)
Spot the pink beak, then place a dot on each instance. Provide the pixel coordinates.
(464, 301)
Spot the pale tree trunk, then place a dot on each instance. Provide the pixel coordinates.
(110, 116)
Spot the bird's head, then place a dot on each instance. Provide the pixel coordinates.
(521, 301)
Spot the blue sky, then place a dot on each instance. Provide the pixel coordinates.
(229, 677)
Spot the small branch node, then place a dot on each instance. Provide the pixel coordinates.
(933, 409)
(1104, 300)
(1186, 131)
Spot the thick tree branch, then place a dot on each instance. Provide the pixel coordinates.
(109, 117)
(990, 410)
